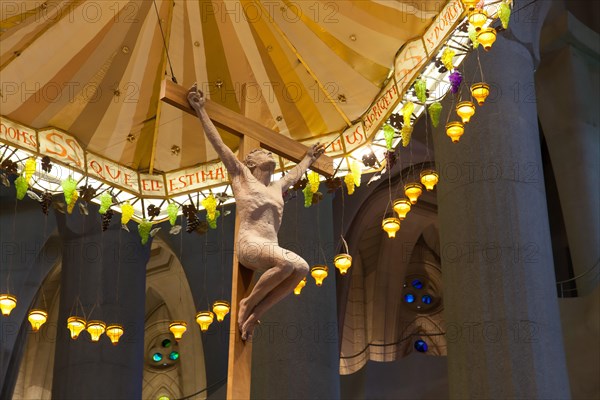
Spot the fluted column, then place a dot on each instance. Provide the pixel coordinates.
(503, 326)
(93, 264)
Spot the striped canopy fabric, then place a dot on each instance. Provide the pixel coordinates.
(94, 68)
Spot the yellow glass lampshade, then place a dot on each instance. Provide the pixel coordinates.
(478, 18)
(402, 207)
(429, 178)
(7, 303)
(178, 328)
(455, 130)
(391, 226)
(221, 309)
(470, 4)
(204, 319)
(486, 37)
(413, 191)
(114, 333)
(465, 110)
(75, 325)
(480, 91)
(343, 262)
(37, 318)
(299, 286)
(319, 272)
(96, 329)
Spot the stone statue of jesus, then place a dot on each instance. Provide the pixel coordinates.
(259, 209)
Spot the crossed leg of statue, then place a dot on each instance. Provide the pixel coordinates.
(284, 269)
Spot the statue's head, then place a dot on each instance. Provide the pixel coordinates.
(260, 158)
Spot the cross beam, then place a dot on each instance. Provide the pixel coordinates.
(176, 95)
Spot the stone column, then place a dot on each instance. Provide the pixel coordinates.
(92, 260)
(295, 349)
(503, 326)
(568, 103)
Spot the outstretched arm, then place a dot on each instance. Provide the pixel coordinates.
(197, 100)
(296, 173)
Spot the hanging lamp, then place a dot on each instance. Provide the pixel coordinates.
(319, 272)
(470, 4)
(96, 328)
(299, 286)
(486, 37)
(343, 261)
(7, 303)
(178, 328)
(37, 318)
(402, 207)
(221, 309)
(204, 319)
(480, 91)
(76, 325)
(455, 130)
(478, 18)
(413, 191)
(391, 225)
(429, 178)
(114, 333)
(465, 110)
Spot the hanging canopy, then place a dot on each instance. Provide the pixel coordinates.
(93, 69)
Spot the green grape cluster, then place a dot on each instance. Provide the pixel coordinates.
(144, 229)
(421, 90)
(388, 134)
(308, 196)
(504, 14)
(434, 113)
(212, 222)
(105, 202)
(22, 186)
(69, 186)
(172, 210)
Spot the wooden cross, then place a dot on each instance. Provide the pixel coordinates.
(252, 135)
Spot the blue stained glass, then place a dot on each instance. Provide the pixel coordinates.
(417, 284)
(426, 299)
(409, 298)
(173, 355)
(421, 346)
(156, 357)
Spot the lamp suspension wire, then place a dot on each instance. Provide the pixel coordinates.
(162, 33)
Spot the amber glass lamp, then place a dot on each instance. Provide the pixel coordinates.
(342, 262)
(465, 110)
(470, 4)
(37, 318)
(478, 18)
(114, 333)
(221, 309)
(429, 178)
(300, 286)
(204, 319)
(76, 325)
(319, 272)
(480, 91)
(455, 130)
(391, 225)
(178, 328)
(7, 303)
(95, 328)
(413, 191)
(486, 37)
(402, 207)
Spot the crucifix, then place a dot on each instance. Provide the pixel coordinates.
(255, 237)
